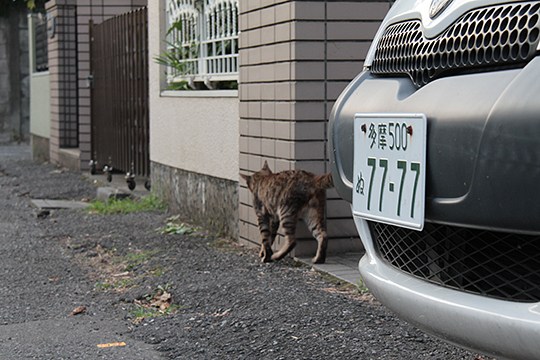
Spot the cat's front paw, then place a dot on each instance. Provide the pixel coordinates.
(318, 260)
(266, 254)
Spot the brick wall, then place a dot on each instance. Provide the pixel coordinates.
(295, 59)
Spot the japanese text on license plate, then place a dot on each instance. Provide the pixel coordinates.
(389, 168)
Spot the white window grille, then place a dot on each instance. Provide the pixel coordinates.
(203, 37)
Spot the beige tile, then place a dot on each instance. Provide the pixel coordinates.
(337, 208)
(282, 165)
(308, 30)
(334, 89)
(305, 130)
(284, 110)
(283, 91)
(243, 23)
(254, 92)
(255, 162)
(254, 19)
(254, 57)
(243, 162)
(341, 228)
(343, 70)
(348, 50)
(308, 90)
(268, 54)
(243, 6)
(243, 144)
(282, 51)
(283, 32)
(254, 37)
(282, 71)
(309, 150)
(352, 30)
(254, 127)
(283, 130)
(268, 129)
(268, 35)
(268, 147)
(267, 93)
(316, 167)
(308, 70)
(313, 110)
(243, 126)
(347, 10)
(267, 16)
(254, 110)
(268, 111)
(283, 12)
(309, 10)
(284, 149)
(254, 145)
(253, 4)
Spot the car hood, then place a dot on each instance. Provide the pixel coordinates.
(404, 10)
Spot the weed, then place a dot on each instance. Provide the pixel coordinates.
(141, 312)
(157, 272)
(173, 226)
(126, 206)
(119, 284)
(361, 287)
(158, 303)
(134, 259)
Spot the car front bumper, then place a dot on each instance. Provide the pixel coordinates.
(501, 328)
(483, 143)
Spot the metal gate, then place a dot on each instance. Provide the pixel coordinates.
(119, 105)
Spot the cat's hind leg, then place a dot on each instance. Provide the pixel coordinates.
(288, 224)
(266, 241)
(314, 219)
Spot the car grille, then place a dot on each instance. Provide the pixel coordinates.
(502, 35)
(494, 264)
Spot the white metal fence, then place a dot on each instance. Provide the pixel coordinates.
(202, 36)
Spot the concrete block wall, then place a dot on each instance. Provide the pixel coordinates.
(295, 59)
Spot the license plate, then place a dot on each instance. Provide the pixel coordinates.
(390, 168)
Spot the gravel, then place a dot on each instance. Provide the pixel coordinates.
(225, 302)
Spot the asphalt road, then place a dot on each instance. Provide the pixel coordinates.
(40, 285)
(220, 301)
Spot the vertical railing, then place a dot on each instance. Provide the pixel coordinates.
(119, 67)
(203, 34)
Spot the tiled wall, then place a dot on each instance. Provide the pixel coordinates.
(98, 11)
(295, 59)
(63, 76)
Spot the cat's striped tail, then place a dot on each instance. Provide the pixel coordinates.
(324, 181)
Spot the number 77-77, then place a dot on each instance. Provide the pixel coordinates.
(401, 165)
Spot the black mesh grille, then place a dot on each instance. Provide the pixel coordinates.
(500, 35)
(494, 264)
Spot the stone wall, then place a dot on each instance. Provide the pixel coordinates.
(205, 200)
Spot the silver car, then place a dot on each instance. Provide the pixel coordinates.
(436, 144)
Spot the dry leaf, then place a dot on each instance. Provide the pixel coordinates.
(78, 310)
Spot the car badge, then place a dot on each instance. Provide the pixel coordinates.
(437, 7)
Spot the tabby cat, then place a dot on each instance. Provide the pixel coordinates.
(284, 198)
